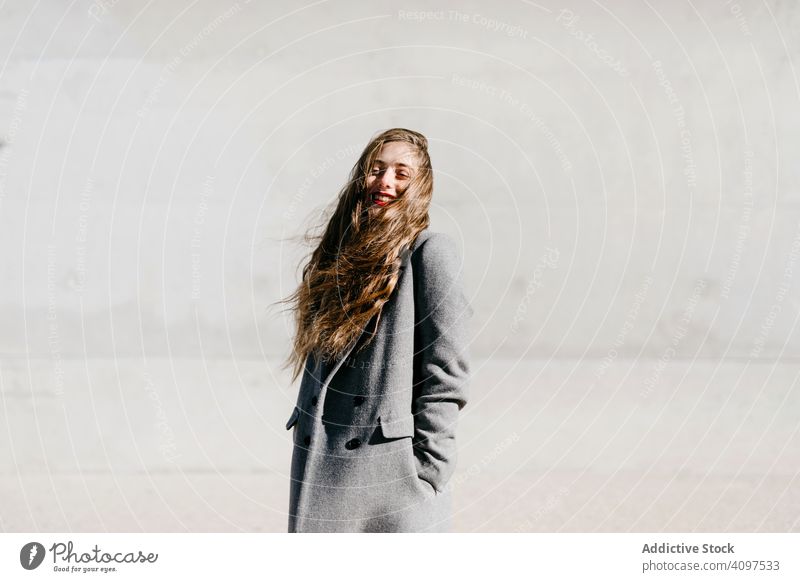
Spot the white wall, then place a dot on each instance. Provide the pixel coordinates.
(622, 181)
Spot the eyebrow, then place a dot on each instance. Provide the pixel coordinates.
(397, 164)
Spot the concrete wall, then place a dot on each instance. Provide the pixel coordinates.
(622, 181)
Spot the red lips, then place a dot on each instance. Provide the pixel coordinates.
(382, 202)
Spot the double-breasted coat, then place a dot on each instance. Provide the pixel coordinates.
(374, 433)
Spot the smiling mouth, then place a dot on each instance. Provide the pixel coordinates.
(382, 199)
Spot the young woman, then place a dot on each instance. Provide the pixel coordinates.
(381, 342)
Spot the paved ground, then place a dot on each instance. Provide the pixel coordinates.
(558, 446)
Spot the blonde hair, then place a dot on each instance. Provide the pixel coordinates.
(355, 266)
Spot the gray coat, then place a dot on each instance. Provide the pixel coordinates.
(374, 432)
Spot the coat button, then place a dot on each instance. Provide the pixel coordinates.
(352, 444)
(307, 441)
(314, 401)
(358, 400)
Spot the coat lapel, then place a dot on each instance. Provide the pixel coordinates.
(336, 364)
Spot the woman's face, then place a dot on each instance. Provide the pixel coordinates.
(392, 172)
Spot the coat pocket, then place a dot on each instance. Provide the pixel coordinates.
(293, 418)
(395, 427)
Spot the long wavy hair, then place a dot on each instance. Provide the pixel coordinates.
(355, 266)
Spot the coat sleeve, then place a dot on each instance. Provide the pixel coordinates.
(442, 366)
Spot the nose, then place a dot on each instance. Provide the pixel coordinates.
(387, 178)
